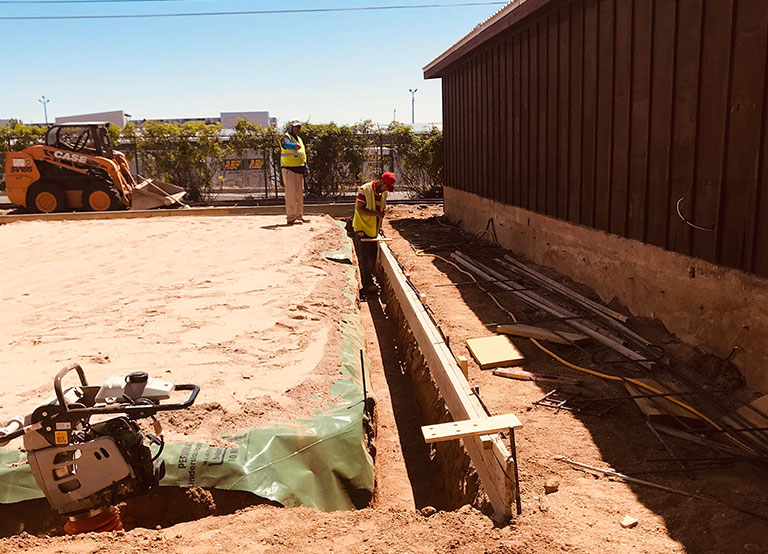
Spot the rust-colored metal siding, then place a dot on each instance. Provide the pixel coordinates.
(606, 112)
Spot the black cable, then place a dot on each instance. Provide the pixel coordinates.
(248, 12)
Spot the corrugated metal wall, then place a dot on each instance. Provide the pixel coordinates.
(606, 112)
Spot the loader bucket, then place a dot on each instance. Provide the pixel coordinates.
(152, 194)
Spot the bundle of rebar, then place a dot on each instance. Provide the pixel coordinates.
(607, 328)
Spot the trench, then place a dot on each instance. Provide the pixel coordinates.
(448, 463)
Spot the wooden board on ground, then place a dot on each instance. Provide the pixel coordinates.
(531, 332)
(659, 409)
(469, 427)
(494, 351)
(761, 404)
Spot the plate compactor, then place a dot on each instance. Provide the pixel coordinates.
(85, 467)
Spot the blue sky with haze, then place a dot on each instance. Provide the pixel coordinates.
(337, 66)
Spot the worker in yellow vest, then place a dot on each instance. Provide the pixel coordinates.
(369, 213)
(293, 162)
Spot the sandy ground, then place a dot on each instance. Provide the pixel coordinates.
(245, 307)
(582, 516)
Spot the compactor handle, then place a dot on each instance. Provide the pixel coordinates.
(15, 428)
(57, 383)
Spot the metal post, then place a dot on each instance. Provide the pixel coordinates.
(413, 104)
(44, 101)
(513, 448)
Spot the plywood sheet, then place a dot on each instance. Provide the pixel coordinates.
(494, 351)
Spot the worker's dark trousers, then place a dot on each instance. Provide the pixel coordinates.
(366, 256)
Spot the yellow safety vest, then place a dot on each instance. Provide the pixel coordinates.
(369, 224)
(293, 158)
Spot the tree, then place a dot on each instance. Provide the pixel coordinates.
(188, 155)
(16, 137)
(419, 160)
(336, 156)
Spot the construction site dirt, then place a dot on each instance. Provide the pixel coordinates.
(202, 328)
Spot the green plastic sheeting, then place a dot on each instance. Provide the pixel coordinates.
(321, 462)
(16, 481)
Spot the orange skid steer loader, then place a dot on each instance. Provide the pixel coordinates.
(77, 169)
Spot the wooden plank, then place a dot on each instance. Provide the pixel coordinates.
(469, 428)
(564, 112)
(540, 205)
(662, 102)
(660, 409)
(533, 119)
(622, 93)
(552, 113)
(495, 115)
(740, 179)
(603, 151)
(495, 466)
(464, 365)
(713, 123)
(517, 121)
(685, 121)
(639, 120)
(589, 115)
(531, 332)
(494, 351)
(576, 110)
(504, 94)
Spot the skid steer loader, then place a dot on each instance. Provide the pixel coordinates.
(77, 169)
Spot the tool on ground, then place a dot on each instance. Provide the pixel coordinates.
(85, 467)
(522, 375)
(77, 169)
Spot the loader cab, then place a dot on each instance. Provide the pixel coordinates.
(91, 139)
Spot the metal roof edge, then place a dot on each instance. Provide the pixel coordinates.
(512, 13)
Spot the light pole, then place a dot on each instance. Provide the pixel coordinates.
(413, 104)
(44, 101)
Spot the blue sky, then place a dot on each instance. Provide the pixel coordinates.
(339, 66)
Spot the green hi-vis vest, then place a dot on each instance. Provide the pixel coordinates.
(293, 158)
(369, 224)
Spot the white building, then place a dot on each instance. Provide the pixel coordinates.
(229, 119)
(118, 117)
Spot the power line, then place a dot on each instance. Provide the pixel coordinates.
(251, 12)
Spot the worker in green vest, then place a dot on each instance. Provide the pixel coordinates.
(366, 223)
(293, 162)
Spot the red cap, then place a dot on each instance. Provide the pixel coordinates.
(389, 180)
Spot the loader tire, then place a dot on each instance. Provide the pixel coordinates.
(101, 198)
(45, 198)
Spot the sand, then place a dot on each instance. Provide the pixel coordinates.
(245, 307)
